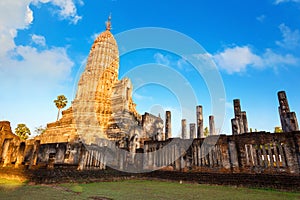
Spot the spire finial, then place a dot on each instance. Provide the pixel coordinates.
(108, 23)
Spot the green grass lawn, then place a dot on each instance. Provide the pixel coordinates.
(134, 190)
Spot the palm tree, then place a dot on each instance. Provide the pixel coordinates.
(60, 103)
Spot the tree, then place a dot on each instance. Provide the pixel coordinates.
(278, 129)
(39, 130)
(206, 132)
(60, 103)
(22, 131)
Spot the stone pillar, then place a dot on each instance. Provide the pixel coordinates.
(98, 158)
(237, 116)
(168, 133)
(239, 123)
(233, 156)
(150, 158)
(34, 154)
(6, 155)
(291, 159)
(235, 125)
(173, 156)
(212, 130)
(199, 113)
(210, 156)
(192, 131)
(145, 156)
(20, 154)
(199, 154)
(237, 107)
(253, 155)
(281, 153)
(83, 157)
(266, 161)
(276, 154)
(195, 157)
(288, 119)
(183, 162)
(203, 154)
(270, 155)
(259, 156)
(104, 159)
(225, 156)
(170, 160)
(5, 151)
(183, 129)
(247, 155)
(245, 121)
(177, 157)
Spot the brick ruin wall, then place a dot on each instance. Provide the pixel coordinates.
(259, 152)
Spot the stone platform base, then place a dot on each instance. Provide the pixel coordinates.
(62, 174)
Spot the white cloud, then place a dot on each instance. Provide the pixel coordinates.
(273, 59)
(291, 39)
(28, 16)
(285, 1)
(261, 18)
(182, 64)
(26, 71)
(140, 97)
(31, 82)
(38, 39)
(67, 8)
(34, 69)
(237, 59)
(80, 2)
(162, 59)
(14, 15)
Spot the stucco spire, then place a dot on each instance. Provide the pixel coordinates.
(108, 23)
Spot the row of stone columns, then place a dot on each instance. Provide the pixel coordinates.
(269, 155)
(288, 119)
(206, 156)
(169, 155)
(199, 132)
(92, 159)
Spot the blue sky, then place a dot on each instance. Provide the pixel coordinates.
(254, 44)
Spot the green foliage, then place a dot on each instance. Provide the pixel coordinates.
(39, 130)
(22, 131)
(278, 129)
(206, 132)
(60, 103)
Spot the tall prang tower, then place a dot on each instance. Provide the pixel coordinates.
(96, 84)
(103, 107)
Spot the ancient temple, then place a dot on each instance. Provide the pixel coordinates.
(103, 116)
(103, 107)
